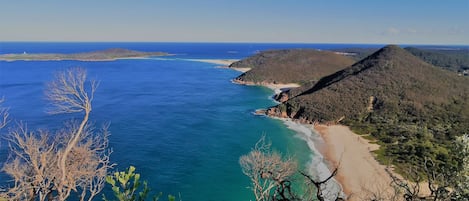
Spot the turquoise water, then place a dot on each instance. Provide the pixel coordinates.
(182, 123)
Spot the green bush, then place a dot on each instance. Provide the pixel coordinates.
(127, 187)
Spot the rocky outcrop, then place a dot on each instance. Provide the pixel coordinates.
(282, 96)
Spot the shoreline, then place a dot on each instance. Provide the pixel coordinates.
(360, 174)
(318, 166)
(277, 88)
(77, 59)
(224, 63)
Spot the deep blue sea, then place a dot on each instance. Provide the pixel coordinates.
(181, 123)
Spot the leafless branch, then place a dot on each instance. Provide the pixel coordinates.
(3, 115)
(318, 184)
(76, 159)
(68, 93)
(269, 173)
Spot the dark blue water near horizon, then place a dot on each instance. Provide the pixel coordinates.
(182, 123)
(182, 50)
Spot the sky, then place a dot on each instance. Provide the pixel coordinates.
(282, 21)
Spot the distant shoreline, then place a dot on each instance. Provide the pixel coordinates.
(224, 63)
(103, 55)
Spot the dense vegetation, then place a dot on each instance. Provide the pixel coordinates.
(414, 110)
(456, 60)
(291, 66)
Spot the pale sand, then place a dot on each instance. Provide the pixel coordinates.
(224, 62)
(278, 88)
(359, 173)
(243, 70)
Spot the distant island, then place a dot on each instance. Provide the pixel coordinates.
(101, 55)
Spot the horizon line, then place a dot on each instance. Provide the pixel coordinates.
(240, 42)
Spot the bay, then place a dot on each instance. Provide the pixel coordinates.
(181, 123)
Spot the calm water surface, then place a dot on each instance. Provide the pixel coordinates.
(183, 124)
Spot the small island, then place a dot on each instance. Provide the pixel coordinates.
(102, 55)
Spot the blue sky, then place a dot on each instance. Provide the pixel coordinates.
(311, 21)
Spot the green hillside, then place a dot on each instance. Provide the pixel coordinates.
(291, 66)
(456, 60)
(414, 109)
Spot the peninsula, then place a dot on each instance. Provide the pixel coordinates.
(102, 55)
(405, 109)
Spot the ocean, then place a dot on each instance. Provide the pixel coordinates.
(183, 124)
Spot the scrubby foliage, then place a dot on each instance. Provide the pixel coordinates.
(413, 109)
(75, 159)
(291, 66)
(269, 173)
(127, 186)
(71, 162)
(273, 177)
(455, 60)
(452, 59)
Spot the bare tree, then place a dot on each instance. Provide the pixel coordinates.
(442, 184)
(76, 159)
(269, 173)
(68, 94)
(3, 115)
(272, 177)
(378, 191)
(319, 186)
(32, 164)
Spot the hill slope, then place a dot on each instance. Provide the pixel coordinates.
(453, 60)
(413, 108)
(290, 66)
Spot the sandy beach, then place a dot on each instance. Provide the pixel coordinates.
(278, 88)
(359, 173)
(224, 62)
